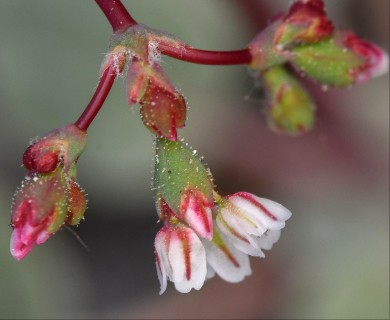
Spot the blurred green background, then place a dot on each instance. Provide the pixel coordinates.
(333, 257)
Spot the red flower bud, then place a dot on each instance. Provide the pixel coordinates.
(375, 60)
(39, 210)
(306, 22)
(42, 159)
(163, 110)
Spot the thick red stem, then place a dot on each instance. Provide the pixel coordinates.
(105, 83)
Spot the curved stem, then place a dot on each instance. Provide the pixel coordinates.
(105, 83)
(199, 56)
(116, 14)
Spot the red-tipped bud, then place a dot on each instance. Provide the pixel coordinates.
(306, 22)
(42, 159)
(63, 145)
(342, 60)
(195, 209)
(39, 210)
(375, 60)
(163, 110)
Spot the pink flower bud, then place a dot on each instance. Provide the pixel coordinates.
(39, 210)
(63, 145)
(375, 61)
(41, 158)
(306, 22)
(196, 211)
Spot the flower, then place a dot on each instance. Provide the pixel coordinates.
(251, 223)
(180, 257)
(243, 224)
(49, 196)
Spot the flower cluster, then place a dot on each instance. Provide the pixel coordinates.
(305, 38)
(204, 233)
(49, 196)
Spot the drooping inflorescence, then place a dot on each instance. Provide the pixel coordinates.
(203, 233)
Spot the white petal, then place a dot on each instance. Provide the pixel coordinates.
(230, 270)
(267, 240)
(187, 259)
(254, 210)
(162, 277)
(242, 241)
(210, 272)
(162, 263)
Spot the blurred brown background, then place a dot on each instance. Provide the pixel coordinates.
(333, 257)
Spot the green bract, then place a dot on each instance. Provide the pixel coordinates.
(176, 169)
(291, 107)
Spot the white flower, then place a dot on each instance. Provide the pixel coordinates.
(180, 257)
(246, 225)
(251, 223)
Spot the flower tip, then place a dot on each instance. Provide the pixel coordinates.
(381, 66)
(18, 248)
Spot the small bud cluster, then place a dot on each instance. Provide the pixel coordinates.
(305, 38)
(49, 196)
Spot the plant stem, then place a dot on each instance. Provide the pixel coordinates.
(116, 14)
(194, 55)
(105, 83)
(120, 19)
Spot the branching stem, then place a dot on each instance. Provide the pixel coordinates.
(120, 20)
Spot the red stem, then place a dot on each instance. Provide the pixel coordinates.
(105, 83)
(120, 19)
(194, 55)
(116, 14)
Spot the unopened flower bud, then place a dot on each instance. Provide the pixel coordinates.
(39, 210)
(163, 110)
(63, 145)
(306, 22)
(342, 60)
(290, 107)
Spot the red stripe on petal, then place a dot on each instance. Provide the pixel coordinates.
(229, 255)
(185, 240)
(249, 197)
